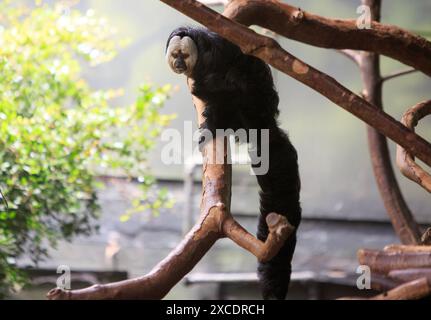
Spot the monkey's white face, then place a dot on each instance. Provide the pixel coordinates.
(182, 55)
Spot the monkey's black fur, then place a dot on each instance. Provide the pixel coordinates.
(239, 92)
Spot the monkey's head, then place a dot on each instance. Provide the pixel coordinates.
(181, 54)
(193, 51)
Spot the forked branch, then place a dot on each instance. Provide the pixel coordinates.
(279, 231)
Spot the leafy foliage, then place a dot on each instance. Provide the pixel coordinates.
(57, 134)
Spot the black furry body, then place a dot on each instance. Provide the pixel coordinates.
(239, 93)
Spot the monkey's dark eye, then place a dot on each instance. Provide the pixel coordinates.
(175, 55)
(185, 56)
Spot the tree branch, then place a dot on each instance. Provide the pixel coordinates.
(296, 24)
(410, 274)
(172, 269)
(398, 211)
(385, 261)
(414, 290)
(405, 160)
(403, 248)
(279, 231)
(399, 74)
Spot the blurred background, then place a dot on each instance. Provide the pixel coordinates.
(342, 208)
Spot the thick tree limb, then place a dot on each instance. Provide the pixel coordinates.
(414, 290)
(412, 249)
(270, 51)
(405, 160)
(162, 278)
(401, 217)
(294, 23)
(385, 261)
(410, 274)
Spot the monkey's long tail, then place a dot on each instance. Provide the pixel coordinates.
(280, 189)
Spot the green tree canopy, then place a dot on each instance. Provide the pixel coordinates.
(57, 134)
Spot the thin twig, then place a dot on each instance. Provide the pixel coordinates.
(399, 74)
